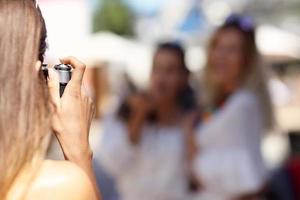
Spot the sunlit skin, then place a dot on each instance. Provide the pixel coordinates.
(226, 59)
(57, 180)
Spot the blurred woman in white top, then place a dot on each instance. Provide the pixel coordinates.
(226, 155)
(143, 143)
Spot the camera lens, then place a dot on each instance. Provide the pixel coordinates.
(64, 72)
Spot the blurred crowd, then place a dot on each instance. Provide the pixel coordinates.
(183, 138)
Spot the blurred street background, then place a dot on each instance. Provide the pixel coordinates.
(117, 39)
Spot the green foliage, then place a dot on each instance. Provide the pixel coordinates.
(114, 16)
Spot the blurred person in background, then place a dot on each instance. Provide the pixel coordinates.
(30, 111)
(226, 152)
(142, 145)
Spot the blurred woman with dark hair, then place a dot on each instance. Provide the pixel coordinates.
(228, 162)
(143, 143)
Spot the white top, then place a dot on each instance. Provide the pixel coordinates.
(154, 169)
(230, 162)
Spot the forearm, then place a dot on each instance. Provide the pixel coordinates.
(191, 146)
(191, 152)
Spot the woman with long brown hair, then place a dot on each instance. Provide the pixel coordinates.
(31, 110)
(227, 158)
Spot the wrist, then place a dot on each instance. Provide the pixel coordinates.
(76, 151)
(78, 157)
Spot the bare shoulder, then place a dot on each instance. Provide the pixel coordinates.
(61, 180)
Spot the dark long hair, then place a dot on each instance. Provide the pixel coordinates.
(186, 97)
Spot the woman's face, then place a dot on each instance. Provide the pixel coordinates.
(168, 76)
(226, 59)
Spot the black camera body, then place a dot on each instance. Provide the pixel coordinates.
(64, 73)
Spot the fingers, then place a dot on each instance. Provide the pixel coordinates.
(53, 85)
(78, 70)
(38, 65)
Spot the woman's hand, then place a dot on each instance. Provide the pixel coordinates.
(73, 113)
(140, 107)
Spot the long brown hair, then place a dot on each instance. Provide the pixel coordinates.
(254, 77)
(25, 111)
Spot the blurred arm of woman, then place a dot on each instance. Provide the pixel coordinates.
(192, 148)
(118, 148)
(72, 119)
(140, 107)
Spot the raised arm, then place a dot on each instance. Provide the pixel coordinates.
(73, 114)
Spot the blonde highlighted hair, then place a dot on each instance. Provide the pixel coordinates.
(253, 79)
(25, 111)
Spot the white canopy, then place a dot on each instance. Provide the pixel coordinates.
(277, 42)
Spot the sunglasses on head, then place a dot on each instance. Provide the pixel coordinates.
(244, 22)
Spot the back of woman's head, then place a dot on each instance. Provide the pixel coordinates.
(25, 112)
